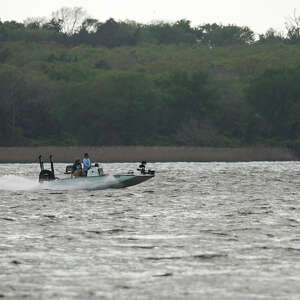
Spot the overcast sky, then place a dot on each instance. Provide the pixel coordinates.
(259, 15)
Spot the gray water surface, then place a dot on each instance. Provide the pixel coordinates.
(195, 231)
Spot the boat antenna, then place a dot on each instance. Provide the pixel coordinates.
(51, 162)
(41, 163)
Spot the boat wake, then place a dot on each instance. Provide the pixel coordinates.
(75, 184)
(18, 183)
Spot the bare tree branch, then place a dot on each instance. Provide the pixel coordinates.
(71, 18)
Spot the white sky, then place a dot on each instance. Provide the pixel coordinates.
(259, 15)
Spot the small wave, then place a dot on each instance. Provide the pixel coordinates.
(204, 256)
(18, 183)
(109, 231)
(164, 257)
(163, 275)
(209, 256)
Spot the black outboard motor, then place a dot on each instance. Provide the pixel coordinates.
(46, 175)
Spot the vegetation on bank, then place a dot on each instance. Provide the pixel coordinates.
(68, 154)
(123, 83)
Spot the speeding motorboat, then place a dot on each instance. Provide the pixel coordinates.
(95, 179)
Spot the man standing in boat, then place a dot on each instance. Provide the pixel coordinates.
(86, 164)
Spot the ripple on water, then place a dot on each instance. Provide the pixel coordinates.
(196, 231)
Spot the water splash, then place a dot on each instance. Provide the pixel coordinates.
(18, 183)
(79, 184)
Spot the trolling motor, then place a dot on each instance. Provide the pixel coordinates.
(46, 175)
(142, 169)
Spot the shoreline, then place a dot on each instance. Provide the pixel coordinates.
(148, 153)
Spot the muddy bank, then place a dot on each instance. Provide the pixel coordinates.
(134, 154)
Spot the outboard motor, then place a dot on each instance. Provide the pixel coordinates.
(46, 175)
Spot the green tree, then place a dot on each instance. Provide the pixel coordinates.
(186, 97)
(275, 99)
(118, 108)
(166, 33)
(271, 36)
(13, 89)
(216, 35)
(113, 34)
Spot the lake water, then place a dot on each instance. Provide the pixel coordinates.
(195, 231)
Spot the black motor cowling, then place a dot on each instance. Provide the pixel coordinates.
(46, 175)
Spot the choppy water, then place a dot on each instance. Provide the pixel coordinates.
(196, 231)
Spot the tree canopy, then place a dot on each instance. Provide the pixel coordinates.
(72, 80)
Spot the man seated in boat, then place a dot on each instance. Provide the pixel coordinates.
(77, 168)
(86, 164)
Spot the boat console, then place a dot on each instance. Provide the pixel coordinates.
(142, 169)
(95, 171)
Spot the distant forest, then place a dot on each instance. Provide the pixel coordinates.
(72, 80)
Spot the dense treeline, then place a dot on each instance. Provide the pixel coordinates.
(73, 80)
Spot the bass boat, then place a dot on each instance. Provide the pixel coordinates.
(95, 179)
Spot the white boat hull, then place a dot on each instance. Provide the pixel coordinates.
(97, 182)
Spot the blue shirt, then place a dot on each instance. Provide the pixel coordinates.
(86, 164)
